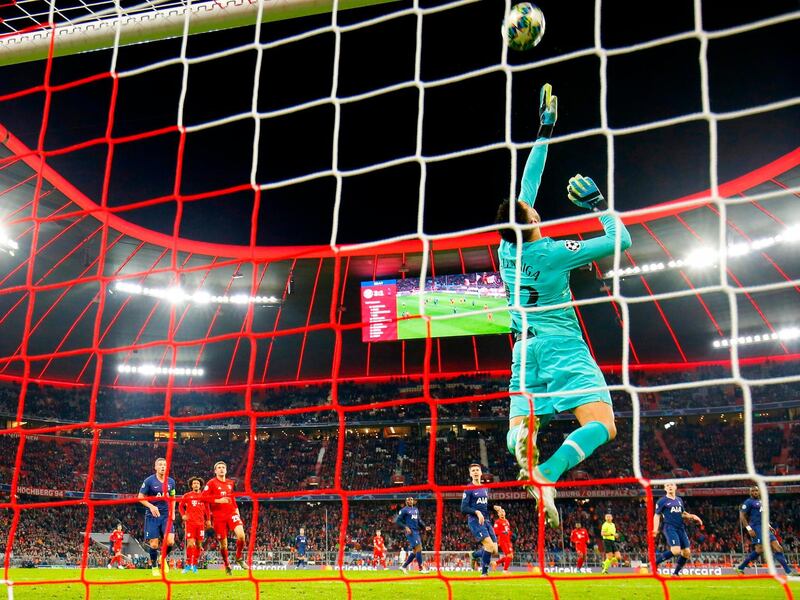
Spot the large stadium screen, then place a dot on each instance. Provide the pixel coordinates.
(390, 308)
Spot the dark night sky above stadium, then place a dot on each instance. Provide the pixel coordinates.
(745, 70)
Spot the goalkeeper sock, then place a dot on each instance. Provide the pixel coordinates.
(681, 561)
(419, 560)
(748, 559)
(664, 557)
(606, 564)
(239, 549)
(781, 558)
(511, 438)
(580, 444)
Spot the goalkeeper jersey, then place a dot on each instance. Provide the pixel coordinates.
(542, 277)
(541, 272)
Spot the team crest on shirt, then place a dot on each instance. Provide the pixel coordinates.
(572, 245)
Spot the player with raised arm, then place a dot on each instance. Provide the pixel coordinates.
(115, 541)
(378, 550)
(225, 516)
(410, 520)
(157, 519)
(300, 548)
(502, 530)
(580, 539)
(750, 518)
(475, 504)
(610, 536)
(196, 517)
(671, 508)
(557, 360)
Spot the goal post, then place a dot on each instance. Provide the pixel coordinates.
(145, 24)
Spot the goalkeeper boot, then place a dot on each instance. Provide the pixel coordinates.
(531, 489)
(548, 496)
(521, 446)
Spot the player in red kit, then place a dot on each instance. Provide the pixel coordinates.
(196, 517)
(502, 529)
(115, 539)
(225, 514)
(580, 537)
(378, 550)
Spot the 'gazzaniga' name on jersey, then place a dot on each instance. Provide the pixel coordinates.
(525, 269)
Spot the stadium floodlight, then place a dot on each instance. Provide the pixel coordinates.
(704, 257)
(8, 245)
(177, 295)
(148, 369)
(782, 335)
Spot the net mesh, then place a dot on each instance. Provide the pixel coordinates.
(108, 249)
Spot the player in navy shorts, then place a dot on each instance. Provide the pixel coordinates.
(475, 504)
(671, 509)
(410, 520)
(157, 519)
(750, 518)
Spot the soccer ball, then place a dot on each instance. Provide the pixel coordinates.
(524, 26)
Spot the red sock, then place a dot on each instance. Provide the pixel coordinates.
(580, 560)
(190, 555)
(239, 549)
(225, 557)
(506, 563)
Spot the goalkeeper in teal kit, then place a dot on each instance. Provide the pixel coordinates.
(557, 361)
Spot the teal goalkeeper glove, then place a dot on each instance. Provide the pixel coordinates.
(548, 111)
(583, 192)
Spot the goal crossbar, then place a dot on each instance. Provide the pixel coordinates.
(158, 24)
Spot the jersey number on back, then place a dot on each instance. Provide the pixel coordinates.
(528, 295)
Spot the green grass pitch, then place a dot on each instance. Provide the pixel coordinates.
(479, 324)
(364, 586)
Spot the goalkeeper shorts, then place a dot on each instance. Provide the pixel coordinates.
(554, 364)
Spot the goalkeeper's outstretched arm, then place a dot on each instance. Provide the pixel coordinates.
(534, 166)
(572, 254)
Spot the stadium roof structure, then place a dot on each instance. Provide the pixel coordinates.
(292, 338)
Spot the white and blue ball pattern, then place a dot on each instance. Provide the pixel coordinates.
(524, 26)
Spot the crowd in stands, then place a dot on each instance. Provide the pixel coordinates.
(45, 535)
(299, 453)
(303, 459)
(478, 397)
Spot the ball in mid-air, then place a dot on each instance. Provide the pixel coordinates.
(524, 26)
